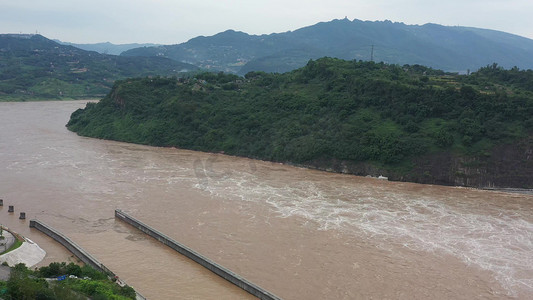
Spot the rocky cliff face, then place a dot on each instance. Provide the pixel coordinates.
(506, 166)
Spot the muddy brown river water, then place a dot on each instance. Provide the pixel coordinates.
(299, 233)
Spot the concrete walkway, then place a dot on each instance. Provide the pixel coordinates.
(29, 253)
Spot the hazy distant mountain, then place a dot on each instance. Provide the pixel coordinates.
(107, 47)
(32, 66)
(443, 47)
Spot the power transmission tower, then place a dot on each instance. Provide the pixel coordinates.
(372, 54)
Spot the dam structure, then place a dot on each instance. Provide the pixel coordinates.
(200, 259)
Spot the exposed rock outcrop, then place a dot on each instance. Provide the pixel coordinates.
(506, 166)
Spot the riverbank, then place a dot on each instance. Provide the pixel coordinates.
(31, 99)
(507, 167)
(491, 173)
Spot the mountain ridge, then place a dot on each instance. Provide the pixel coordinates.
(450, 48)
(106, 47)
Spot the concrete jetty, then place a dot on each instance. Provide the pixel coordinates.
(200, 259)
(75, 249)
(71, 246)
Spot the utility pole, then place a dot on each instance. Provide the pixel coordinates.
(372, 54)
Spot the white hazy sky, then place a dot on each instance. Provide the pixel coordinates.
(176, 21)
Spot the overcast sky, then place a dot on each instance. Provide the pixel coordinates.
(176, 21)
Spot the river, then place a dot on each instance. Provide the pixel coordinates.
(299, 233)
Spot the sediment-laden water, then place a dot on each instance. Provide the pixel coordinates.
(301, 234)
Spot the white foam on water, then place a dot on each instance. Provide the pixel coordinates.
(499, 241)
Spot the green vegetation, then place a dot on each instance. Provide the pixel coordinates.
(331, 109)
(33, 67)
(26, 284)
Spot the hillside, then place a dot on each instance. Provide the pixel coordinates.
(408, 123)
(34, 67)
(456, 48)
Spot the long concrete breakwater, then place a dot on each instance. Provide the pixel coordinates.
(200, 259)
(83, 255)
(78, 251)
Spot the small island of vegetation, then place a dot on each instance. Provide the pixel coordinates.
(406, 122)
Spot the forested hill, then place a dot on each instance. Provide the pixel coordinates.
(450, 48)
(408, 123)
(34, 67)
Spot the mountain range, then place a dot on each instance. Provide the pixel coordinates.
(107, 47)
(449, 48)
(33, 67)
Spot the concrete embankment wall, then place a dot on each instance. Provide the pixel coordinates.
(202, 260)
(75, 249)
(71, 246)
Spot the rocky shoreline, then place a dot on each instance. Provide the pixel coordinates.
(507, 167)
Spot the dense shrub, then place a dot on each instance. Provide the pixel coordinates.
(26, 284)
